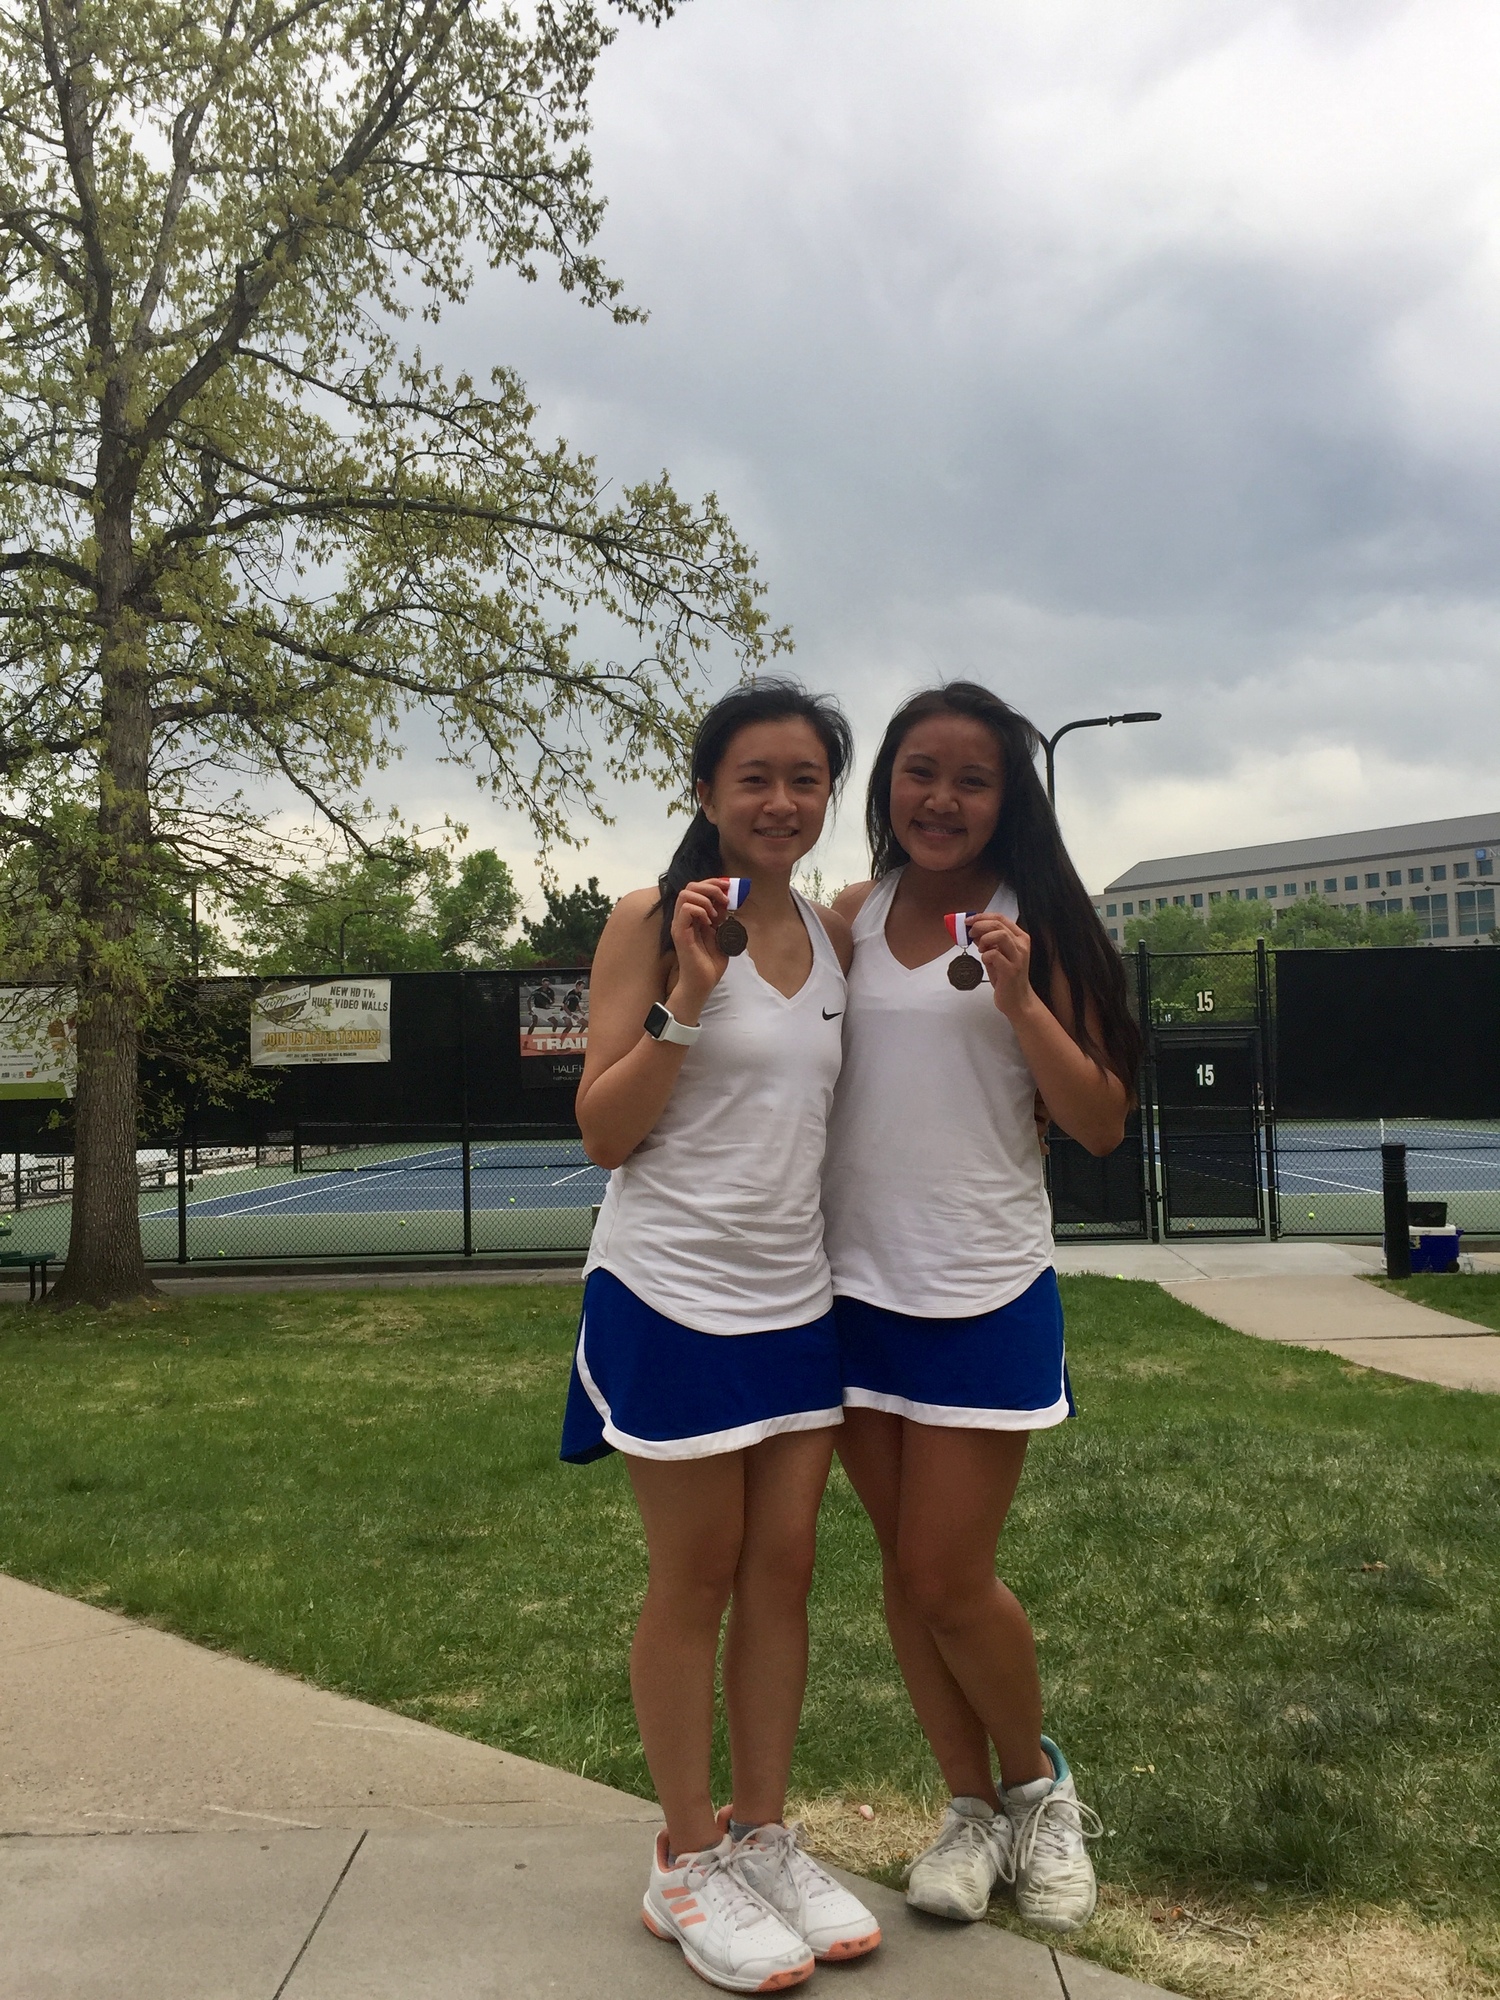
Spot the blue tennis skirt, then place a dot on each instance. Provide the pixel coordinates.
(645, 1385)
(999, 1371)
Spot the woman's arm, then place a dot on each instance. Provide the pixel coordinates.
(840, 936)
(1087, 1100)
(627, 1076)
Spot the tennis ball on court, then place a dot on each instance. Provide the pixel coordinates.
(512, 1201)
(402, 1223)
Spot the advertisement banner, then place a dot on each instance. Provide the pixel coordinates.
(554, 1027)
(38, 1041)
(334, 1021)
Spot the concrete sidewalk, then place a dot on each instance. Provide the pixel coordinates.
(259, 1839)
(1310, 1295)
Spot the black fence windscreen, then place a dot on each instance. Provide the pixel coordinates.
(1271, 1082)
(1388, 1034)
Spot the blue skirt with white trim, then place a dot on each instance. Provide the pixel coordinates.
(645, 1385)
(999, 1371)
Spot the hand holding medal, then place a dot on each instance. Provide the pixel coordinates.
(731, 936)
(964, 972)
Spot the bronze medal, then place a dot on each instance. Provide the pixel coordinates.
(964, 972)
(731, 937)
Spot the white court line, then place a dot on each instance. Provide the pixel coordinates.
(589, 1169)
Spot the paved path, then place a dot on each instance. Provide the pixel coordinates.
(259, 1839)
(1310, 1295)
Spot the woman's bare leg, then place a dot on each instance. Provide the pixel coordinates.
(869, 1445)
(938, 1499)
(693, 1514)
(956, 1490)
(765, 1653)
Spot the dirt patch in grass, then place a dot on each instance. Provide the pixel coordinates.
(1209, 1948)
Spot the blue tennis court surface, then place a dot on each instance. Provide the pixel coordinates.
(1345, 1159)
(418, 1180)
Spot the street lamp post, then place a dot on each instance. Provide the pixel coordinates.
(1050, 743)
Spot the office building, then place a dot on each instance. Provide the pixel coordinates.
(1439, 869)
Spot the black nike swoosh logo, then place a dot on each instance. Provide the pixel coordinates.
(833, 1016)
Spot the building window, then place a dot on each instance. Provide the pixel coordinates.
(1330, 885)
(1270, 892)
(1290, 888)
(1440, 916)
(1414, 875)
(1110, 910)
(1432, 912)
(1127, 909)
(1197, 902)
(1350, 882)
(1476, 912)
(1372, 881)
(1487, 864)
(1234, 895)
(1251, 895)
(1179, 902)
(1440, 872)
(1461, 870)
(1114, 937)
(1214, 895)
(1393, 907)
(1376, 909)
(1161, 902)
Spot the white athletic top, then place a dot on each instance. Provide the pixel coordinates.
(714, 1218)
(933, 1193)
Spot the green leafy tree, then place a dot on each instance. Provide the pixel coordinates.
(569, 931)
(1184, 979)
(397, 908)
(244, 528)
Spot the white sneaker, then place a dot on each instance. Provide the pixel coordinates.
(1048, 1861)
(729, 1935)
(956, 1876)
(830, 1921)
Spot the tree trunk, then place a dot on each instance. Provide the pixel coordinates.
(105, 1260)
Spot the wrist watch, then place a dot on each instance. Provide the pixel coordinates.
(662, 1025)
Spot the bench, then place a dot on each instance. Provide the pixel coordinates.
(34, 1260)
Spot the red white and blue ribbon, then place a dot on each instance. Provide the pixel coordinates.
(957, 923)
(736, 889)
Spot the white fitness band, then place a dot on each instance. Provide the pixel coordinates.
(662, 1025)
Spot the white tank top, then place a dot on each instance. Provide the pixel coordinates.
(933, 1193)
(714, 1219)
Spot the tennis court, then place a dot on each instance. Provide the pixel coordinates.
(1328, 1175)
(362, 1201)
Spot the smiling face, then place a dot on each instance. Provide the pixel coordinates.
(769, 796)
(947, 786)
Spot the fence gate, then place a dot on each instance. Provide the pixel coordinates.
(1208, 1115)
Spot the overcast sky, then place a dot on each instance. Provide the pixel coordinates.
(1121, 356)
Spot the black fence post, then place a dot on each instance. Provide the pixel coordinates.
(463, 1077)
(296, 1149)
(18, 1183)
(1397, 1223)
(1148, 1118)
(182, 1242)
(1267, 1087)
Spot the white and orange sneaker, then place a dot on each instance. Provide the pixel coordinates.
(729, 1934)
(830, 1921)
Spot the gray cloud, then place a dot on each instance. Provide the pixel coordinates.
(1115, 355)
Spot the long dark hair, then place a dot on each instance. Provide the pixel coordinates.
(698, 855)
(1026, 850)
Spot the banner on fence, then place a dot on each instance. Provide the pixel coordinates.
(554, 1027)
(38, 1041)
(335, 1021)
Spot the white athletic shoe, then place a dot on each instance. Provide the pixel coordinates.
(956, 1876)
(1048, 1861)
(831, 1922)
(729, 1935)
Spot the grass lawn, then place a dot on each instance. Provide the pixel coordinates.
(1266, 1586)
(1467, 1295)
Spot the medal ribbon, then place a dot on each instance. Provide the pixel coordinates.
(736, 889)
(957, 926)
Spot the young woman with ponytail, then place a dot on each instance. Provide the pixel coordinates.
(940, 1241)
(707, 1352)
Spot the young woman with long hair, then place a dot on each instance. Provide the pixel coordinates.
(707, 1352)
(939, 1236)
